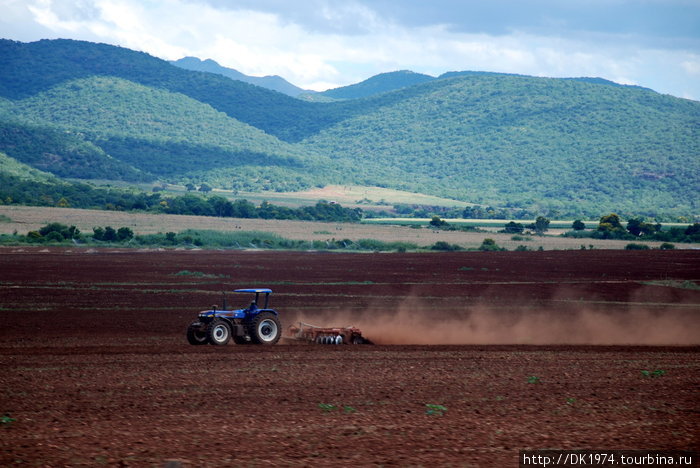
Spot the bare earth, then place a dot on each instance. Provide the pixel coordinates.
(524, 350)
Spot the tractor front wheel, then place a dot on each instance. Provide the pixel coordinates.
(195, 334)
(265, 329)
(218, 332)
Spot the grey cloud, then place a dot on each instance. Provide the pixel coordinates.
(320, 16)
(671, 23)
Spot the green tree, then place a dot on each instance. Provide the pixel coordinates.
(693, 230)
(610, 227)
(98, 233)
(541, 224)
(221, 206)
(578, 225)
(437, 222)
(610, 222)
(110, 235)
(205, 188)
(243, 209)
(637, 227)
(124, 234)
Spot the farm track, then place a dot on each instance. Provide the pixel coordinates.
(524, 350)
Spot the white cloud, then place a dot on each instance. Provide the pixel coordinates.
(327, 44)
(692, 66)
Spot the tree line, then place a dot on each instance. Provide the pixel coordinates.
(17, 191)
(610, 227)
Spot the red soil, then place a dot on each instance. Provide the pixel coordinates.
(96, 369)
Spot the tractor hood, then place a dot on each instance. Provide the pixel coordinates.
(222, 313)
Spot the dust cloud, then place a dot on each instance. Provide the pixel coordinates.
(414, 322)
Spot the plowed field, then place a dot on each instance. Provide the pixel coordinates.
(520, 350)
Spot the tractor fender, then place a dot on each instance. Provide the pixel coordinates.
(250, 315)
(236, 328)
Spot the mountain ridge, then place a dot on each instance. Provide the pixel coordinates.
(272, 82)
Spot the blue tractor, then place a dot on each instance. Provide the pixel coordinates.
(250, 325)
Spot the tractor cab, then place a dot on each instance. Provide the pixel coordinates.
(255, 305)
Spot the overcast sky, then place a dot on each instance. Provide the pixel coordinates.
(320, 44)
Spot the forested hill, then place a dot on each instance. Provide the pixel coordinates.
(393, 81)
(533, 141)
(378, 84)
(38, 66)
(551, 146)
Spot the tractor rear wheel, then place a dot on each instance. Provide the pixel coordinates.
(218, 332)
(195, 334)
(265, 329)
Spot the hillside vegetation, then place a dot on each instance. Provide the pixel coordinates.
(558, 147)
(14, 168)
(162, 134)
(378, 84)
(532, 141)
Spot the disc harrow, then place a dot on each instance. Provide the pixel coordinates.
(326, 335)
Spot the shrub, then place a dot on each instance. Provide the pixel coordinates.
(667, 246)
(489, 245)
(61, 229)
(514, 228)
(54, 236)
(442, 245)
(634, 246)
(34, 236)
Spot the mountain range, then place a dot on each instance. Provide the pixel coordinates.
(273, 82)
(559, 147)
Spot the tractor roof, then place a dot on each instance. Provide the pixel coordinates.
(267, 291)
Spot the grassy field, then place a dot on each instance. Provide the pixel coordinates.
(22, 219)
(351, 196)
